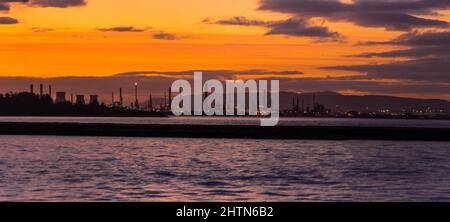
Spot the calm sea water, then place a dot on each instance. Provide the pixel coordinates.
(239, 121)
(47, 168)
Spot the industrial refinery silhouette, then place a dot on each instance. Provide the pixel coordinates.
(63, 104)
(319, 104)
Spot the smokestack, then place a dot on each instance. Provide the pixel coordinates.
(170, 98)
(112, 99)
(50, 90)
(150, 102)
(136, 103)
(31, 88)
(121, 98)
(41, 89)
(71, 98)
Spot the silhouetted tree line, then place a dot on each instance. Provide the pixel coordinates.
(30, 104)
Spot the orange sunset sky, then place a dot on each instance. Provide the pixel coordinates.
(322, 45)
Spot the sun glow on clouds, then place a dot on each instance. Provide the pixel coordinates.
(105, 37)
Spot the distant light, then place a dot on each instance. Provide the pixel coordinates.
(135, 84)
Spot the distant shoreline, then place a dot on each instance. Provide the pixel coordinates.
(125, 115)
(162, 115)
(227, 131)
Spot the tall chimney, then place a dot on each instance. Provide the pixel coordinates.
(170, 99)
(121, 98)
(112, 99)
(136, 103)
(50, 90)
(150, 102)
(41, 89)
(31, 88)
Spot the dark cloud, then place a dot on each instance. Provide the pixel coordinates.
(237, 20)
(423, 39)
(408, 53)
(426, 69)
(57, 3)
(299, 27)
(8, 21)
(221, 74)
(396, 22)
(400, 15)
(121, 29)
(427, 44)
(428, 53)
(4, 4)
(431, 38)
(290, 27)
(166, 36)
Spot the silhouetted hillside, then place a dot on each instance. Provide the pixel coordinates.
(343, 103)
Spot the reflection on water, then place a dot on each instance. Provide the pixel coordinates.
(240, 121)
(152, 169)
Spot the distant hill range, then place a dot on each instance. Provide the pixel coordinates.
(344, 103)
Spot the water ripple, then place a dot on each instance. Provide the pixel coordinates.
(44, 168)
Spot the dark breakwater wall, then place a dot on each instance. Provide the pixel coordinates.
(213, 131)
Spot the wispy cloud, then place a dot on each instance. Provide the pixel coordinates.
(291, 27)
(220, 74)
(166, 36)
(8, 21)
(237, 20)
(428, 53)
(399, 15)
(122, 29)
(41, 30)
(55, 3)
(5, 5)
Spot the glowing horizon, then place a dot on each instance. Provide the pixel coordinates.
(106, 37)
